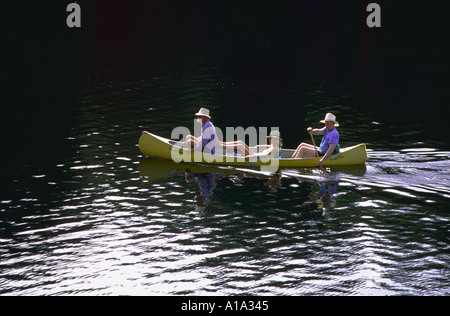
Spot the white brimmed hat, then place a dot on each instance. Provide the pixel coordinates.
(330, 118)
(274, 134)
(203, 112)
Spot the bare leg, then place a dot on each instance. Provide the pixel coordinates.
(302, 145)
(241, 146)
(227, 146)
(304, 150)
(306, 153)
(238, 145)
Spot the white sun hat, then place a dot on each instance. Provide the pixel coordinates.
(203, 112)
(274, 134)
(330, 118)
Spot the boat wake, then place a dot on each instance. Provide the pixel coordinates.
(419, 174)
(420, 171)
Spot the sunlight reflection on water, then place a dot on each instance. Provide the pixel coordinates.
(106, 221)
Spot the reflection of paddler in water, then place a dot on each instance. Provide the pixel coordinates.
(206, 183)
(273, 181)
(327, 189)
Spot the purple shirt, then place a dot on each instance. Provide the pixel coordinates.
(329, 138)
(208, 139)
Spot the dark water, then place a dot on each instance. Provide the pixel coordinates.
(82, 212)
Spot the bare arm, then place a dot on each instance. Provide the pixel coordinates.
(190, 142)
(315, 131)
(327, 154)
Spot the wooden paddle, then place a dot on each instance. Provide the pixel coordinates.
(314, 144)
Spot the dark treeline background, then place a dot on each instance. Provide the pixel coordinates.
(268, 51)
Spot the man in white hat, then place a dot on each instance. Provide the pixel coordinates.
(207, 141)
(330, 141)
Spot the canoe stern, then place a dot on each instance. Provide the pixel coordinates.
(154, 146)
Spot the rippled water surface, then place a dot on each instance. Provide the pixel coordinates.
(109, 221)
(82, 212)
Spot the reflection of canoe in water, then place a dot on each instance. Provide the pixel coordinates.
(155, 146)
(153, 168)
(156, 168)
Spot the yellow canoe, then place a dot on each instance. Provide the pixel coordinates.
(152, 145)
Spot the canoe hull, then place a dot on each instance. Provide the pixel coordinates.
(152, 145)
